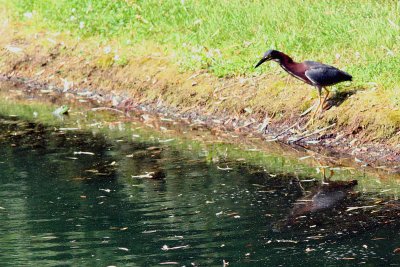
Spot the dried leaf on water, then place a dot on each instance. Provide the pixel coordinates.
(152, 175)
(287, 241)
(166, 248)
(361, 207)
(149, 231)
(105, 190)
(224, 169)
(83, 153)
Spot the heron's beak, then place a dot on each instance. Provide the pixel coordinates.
(261, 61)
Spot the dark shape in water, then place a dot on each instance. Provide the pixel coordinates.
(157, 174)
(328, 195)
(325, 197)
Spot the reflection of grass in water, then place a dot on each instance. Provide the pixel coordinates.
(211, 150)
(29, 111)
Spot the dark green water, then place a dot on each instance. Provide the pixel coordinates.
(63, 208)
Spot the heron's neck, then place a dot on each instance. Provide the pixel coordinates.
(287, 62)
(293, 68)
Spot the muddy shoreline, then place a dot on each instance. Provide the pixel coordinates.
(324, 141)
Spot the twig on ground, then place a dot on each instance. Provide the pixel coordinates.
(313, 133)
(106, 108)
(286, 130)
(307, 111)
(263, 127)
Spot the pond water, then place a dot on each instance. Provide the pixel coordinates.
(89, 197)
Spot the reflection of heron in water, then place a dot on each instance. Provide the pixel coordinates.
(325, 197)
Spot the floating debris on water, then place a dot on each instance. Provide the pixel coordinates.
(166, 248)
(83, 153)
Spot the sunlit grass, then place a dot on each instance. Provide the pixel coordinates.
(227, 37)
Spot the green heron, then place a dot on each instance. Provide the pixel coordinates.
(310, 72)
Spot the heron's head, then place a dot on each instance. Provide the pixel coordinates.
(270, 55)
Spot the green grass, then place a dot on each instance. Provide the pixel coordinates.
(228, 37)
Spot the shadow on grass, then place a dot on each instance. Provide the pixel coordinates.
(338, 98)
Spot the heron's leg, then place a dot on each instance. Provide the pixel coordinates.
(320, 99)
(327, 179)
(318, 107)
(325, 98)
(311, 120)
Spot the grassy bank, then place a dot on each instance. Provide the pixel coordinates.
(226, 38)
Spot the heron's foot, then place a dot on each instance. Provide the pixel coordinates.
(326, 106)
(316, 113)
(310, 122)
(310, 109)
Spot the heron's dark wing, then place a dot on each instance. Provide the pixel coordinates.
(324, 75)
